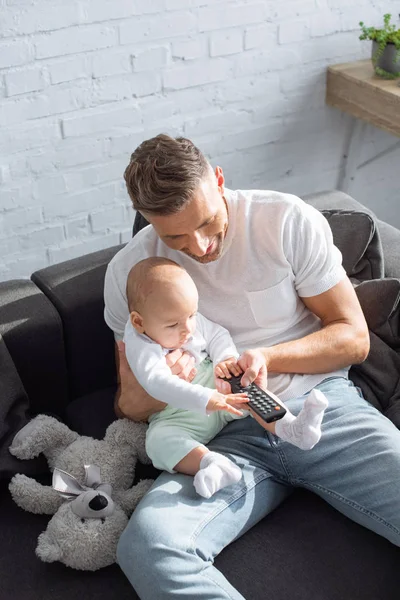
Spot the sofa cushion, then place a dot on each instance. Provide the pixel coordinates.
(380, 389)
(357, 237)
(380, 301)
(24, 577)
(325, 556)
(390, 237)
(93, 413)
(14, 414)
(379, 375)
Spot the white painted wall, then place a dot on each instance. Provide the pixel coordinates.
(83, 82)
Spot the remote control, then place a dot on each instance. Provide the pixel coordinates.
(265, 404)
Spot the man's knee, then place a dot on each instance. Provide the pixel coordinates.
(140, 539)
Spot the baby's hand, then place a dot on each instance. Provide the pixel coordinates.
(229, 402)
(227, 367)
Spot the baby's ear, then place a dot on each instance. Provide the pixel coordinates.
(47, 548)
(137, 321)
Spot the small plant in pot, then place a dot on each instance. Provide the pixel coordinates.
(385, 48)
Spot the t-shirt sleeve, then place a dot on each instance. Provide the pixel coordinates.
(308, 245)
(115, 304)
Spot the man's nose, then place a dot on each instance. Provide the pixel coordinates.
(198, 244)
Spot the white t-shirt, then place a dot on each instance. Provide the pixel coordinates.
(146, 358)
(277, 250)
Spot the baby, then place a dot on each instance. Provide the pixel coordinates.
(163, 301)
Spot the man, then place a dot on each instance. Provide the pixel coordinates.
(267, 270)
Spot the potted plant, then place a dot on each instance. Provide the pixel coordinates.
(385, 48)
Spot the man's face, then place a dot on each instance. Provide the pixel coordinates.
(200, 228)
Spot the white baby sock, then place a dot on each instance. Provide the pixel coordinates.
(216, 472)
(304, 430)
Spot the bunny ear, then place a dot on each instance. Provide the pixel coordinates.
(47, 549)
(67, 485)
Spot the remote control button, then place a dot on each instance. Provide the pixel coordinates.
(277, 408)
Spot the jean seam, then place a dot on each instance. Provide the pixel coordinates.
(203, 574)
(224, 505)
(351, 503)
(284, 464)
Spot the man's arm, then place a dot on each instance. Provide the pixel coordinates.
(148, 363)
(342, 341)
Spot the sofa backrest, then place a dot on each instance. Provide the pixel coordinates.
(56, 334)
(75, 288)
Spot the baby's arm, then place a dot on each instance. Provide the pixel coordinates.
(149, 366)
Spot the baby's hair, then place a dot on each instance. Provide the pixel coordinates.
(140, 282)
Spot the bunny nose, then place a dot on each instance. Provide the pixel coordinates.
(98, 502)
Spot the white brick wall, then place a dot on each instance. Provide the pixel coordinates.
(83, 82)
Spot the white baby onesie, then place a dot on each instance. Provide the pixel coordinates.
(146, 359)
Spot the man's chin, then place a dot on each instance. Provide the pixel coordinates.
(207, 258)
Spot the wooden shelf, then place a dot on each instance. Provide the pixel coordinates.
(355, 89)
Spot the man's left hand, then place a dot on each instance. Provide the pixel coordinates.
(252, 363)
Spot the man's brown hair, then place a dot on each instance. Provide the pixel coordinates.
(164, 173)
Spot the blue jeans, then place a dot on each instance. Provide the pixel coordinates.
(169, 545)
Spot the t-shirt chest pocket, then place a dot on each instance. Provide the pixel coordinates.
(275, 308)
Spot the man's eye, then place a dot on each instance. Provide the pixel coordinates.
(209, 222)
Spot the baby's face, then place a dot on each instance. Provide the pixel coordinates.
(170, 318)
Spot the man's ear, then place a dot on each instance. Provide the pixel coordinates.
(219, 174)
(137, 321)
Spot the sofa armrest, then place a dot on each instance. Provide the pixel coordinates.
(14, 414)
(75, 288)
(31, 329)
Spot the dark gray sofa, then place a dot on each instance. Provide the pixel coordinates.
(57, 356)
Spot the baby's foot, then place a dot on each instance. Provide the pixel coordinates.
(304, 431)
(216, 472)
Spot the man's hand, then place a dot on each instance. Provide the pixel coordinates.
(181, 364)
(227, 367)
(252, 363)
(231, 403)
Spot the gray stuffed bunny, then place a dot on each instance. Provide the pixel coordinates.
(92, 495)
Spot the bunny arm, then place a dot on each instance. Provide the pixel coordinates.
(129, 499)
(130, 433)
(42, 434)
(34, 497)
